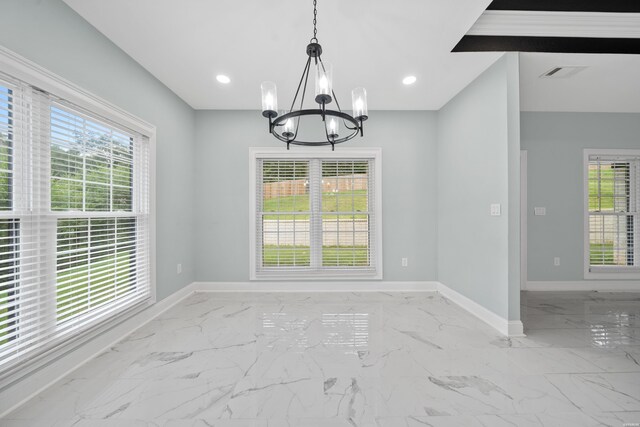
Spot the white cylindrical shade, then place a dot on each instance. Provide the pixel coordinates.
(324, 82)
(289, 128)
(269, 97)
(333, 127)
(359, 103)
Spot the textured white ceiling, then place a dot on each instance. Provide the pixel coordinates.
(610, 83)
(373, 44)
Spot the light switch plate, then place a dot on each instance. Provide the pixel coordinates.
(538, 211)
(496, 209)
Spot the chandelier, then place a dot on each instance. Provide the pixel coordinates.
(286, 125)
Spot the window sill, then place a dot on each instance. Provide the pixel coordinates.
(301, 276)
(604, 273)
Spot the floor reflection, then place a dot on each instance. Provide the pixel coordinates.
(609, 319)
(346, 332)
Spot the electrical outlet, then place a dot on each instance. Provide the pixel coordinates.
(539, 211)
(556, 261)
(179, 268)
(405, 262)
(496, 209)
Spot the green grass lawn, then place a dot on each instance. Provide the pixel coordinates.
(606, 189)
(346, 201)
(601, 254)
(72, 298)
(332, 256)
(3, 316)
(73, 293)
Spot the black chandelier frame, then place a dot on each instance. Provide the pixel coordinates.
(355, 125)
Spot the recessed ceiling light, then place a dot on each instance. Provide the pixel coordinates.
(223, 79)
(409, 80)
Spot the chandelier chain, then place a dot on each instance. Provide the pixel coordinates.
(315, 21)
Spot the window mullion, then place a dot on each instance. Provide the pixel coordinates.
(259, 218)
(42, 205)
(315, 227)
(38, 232)
(21, 206)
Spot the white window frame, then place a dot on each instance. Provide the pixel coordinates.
(374, 154)
(38, 77)
(605, 272)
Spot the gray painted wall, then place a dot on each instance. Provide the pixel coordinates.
(56, 38)
(408, 142)
(555, 144)
(476, 159)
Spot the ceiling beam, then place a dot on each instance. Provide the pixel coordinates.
(557, 24)
(547, 44)
(615, 6)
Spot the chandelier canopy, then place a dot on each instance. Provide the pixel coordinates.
(286, 125)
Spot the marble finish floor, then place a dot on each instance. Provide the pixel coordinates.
(358, 359)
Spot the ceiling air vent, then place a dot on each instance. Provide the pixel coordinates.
(562, 72)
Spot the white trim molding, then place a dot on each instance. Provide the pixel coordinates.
(510, 328)
(557, 24)
(524, 217)
(317, 286)
(316, 271)
(605, 273)
(584, 285)
(21, 68)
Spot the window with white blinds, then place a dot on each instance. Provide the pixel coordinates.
(74, 222)
(612, 204)
(315, 214)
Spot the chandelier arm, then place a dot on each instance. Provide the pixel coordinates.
(304, 91)
(306, 80)
(339, 109)
(305, 72)
(326, 132)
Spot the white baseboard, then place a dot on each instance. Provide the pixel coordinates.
(511, 328)
(316, 286)
(584, 285)
(515, 328)
(21, 391)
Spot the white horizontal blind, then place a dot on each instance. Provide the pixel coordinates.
(9, 217)
(347, 214)
(76, 248)
(315, 216)
(285, 212)
(614, 207)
